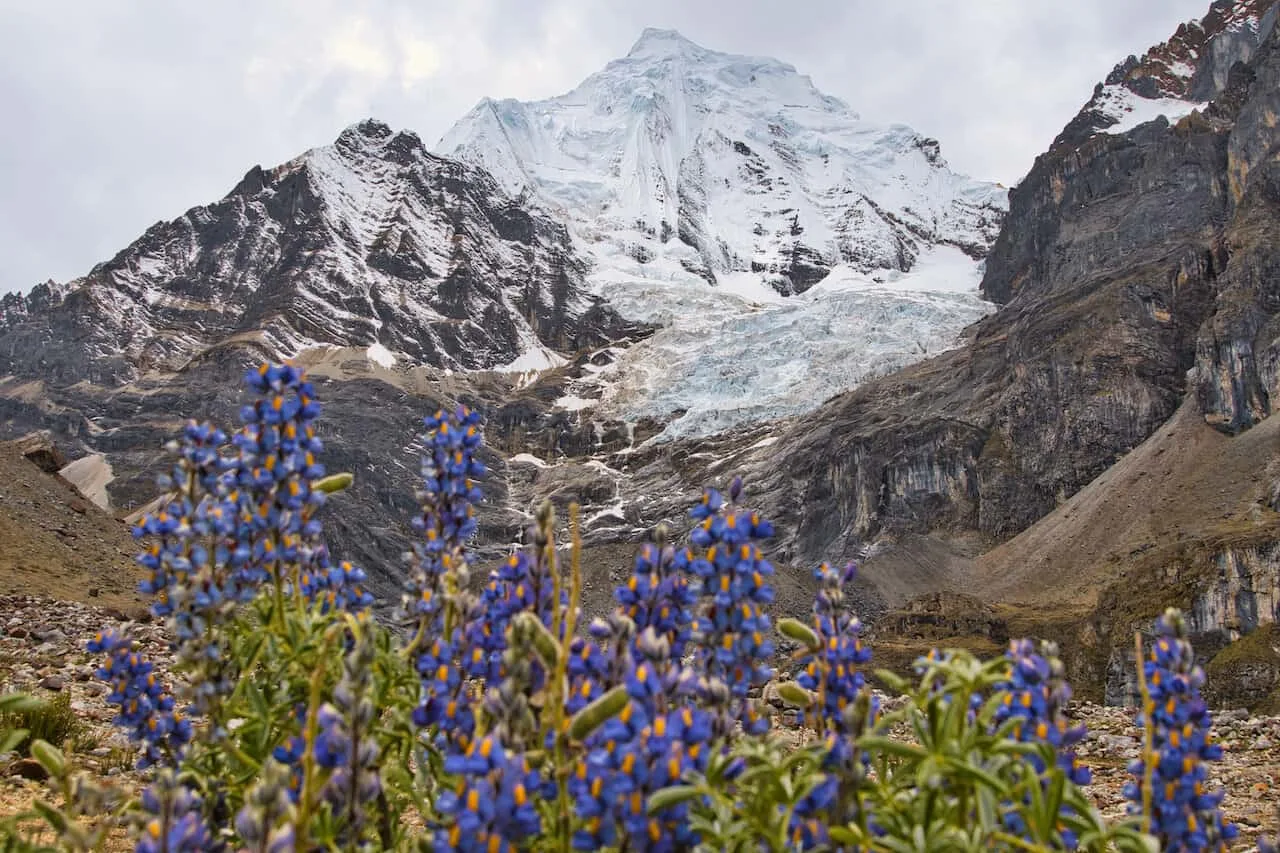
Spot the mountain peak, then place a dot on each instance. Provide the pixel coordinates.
(657, 42)
(1176, 76)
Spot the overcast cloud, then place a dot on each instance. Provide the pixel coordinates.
(120, 113)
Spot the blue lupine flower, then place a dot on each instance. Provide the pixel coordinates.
(1035, 698)
(437, 598)
(450, 491)
(445, 703)
(592, 666)
(659, 596)
(491, 808)
(594, 789)
(289, 753)
(1036, 695)
(1185, 814)
(732, 631)
(274, 476)
(194, 567)
(833, 672)
(345, 744)
(265, 824)
(175, 825)
(611, 785)
(147, 710)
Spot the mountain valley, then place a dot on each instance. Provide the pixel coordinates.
(1040, 410)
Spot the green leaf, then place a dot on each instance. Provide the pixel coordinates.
(673, 796)
(878, 743)
(50, 758)
(845, 835)
(9, 740)
(956, 767)
(544, 645)
(334, 482)
(598, 713)
(794, 694)
(796, 630)
(52, 816)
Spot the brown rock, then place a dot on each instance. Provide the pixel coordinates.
(28, 768)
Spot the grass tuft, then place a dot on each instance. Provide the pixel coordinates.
(51, 720)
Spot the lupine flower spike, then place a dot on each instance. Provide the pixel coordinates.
(438, 599)
(265, 823)
(731, 631)
(1170, 779)
(147, 710)
(1035, 698)
(346, 746)
(197, 573)
(450, 491)
(831, 670)
(491, 808)
(173, 823)
(278, 475)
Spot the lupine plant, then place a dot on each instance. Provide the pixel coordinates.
(494, 716)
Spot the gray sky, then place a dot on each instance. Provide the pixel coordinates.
(121, 113)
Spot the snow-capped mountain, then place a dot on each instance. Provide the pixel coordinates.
(677, 161)
(788, 248)
(1177, 76)
(371, 241)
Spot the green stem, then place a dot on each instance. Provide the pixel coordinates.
(310, 732)
(565, 637)
(277, 609)
(1020, 843)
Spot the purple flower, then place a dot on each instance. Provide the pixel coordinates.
(175, 824)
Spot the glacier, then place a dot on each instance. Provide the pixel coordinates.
(721, 360)
(787, 248)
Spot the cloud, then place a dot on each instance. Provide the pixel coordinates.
(121, 114)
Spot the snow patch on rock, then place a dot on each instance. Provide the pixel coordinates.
(380, 355)
(1130, 110)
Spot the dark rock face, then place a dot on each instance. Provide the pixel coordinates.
(1238, 351)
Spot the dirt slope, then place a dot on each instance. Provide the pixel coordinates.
(57, 543)
(1188, 483)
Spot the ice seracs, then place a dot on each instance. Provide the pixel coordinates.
(721, 361)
